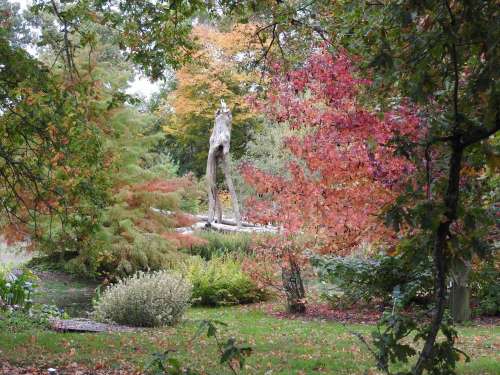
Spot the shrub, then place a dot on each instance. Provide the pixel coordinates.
(37, 318)
(145, 300)
(220, 281)
(219, 244)
(351, 279)
(485, 288)
(17, 321)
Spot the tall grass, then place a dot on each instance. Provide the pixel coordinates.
(220, 244)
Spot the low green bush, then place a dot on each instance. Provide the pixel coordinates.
(145, 300)
(347, 280)
(15, 321)
(485, 288)
(219, 244)
(220, 281)
(37, 317)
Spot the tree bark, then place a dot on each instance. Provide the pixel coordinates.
(294, 287)
(232, 191)
(219, 154)
(214, 206)
(460, 303)
(460, 293)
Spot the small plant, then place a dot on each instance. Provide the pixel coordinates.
(145, 300)
(232, 354)
(388, 348)
(220, 281)
(42, 314)
(16, 289)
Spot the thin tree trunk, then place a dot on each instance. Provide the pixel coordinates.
(212, 184)
(294, 287)
(439, 257)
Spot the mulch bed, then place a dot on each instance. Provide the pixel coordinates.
(486, 320)
(355, 315)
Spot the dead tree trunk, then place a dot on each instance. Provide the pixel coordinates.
(219, 154)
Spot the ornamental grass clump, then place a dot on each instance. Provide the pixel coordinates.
(145, 300)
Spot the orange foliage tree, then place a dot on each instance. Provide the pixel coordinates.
(217, 72)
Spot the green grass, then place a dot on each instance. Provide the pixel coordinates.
(285, 346)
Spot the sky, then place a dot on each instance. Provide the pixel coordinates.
(140, 86)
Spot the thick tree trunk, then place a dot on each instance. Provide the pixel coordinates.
(439, 256)
(219, 153)
(460, 303)
(460, 293)
(294, 287)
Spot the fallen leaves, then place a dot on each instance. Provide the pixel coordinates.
(325, 312)
(71, 369)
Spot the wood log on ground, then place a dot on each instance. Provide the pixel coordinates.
(225, 220)
(229, 225)
(205, 225)
(236, 229)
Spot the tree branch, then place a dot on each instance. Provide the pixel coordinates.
(477, 135)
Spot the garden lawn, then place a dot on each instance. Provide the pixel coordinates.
(280, 346)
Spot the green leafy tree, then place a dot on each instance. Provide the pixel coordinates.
(82, 168)
(131, 233)
(13, 26)
(51, 159)
(155, 34)
(443, 55)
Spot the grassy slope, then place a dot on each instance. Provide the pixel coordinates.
(286, 346)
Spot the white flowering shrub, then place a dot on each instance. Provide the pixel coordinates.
(145, 300)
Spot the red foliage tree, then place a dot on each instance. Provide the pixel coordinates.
(344, 169)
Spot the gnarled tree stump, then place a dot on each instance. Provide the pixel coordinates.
(219, 154)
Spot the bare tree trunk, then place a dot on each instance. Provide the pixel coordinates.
(217, 154)
(212, 184)
(232, 191)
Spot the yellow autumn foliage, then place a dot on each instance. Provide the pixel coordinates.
(216, 72)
